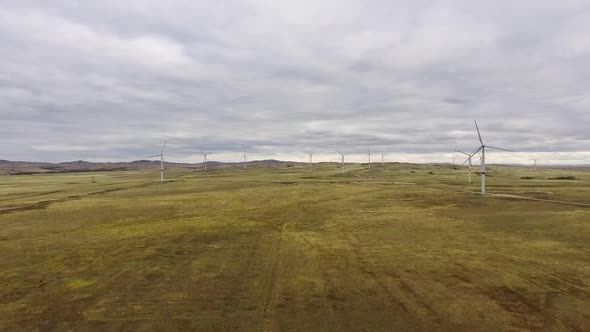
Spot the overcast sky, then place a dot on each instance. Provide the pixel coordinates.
(111, 80)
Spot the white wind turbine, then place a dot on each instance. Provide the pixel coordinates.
(310, 159)
(482, 148)
(381, 159)
(161, 155)
(469, 156)
(369, 155)
(342, 162)
(245, 160)
(205, 154)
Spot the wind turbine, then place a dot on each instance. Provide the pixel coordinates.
(381, 159)
(482, 148)
(161, 155)
(245, 160)
(205, 154)
(310, 159)
(535, 160)
(342, 163)
(369, 155)
(469, 155)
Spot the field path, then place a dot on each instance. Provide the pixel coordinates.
(537, 199)
(276, 254)
(45, 204)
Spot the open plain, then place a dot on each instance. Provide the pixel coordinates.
(399, 247)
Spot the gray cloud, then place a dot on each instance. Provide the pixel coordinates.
(111, 80)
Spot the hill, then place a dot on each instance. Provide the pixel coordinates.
(27, 167)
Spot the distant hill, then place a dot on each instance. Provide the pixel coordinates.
(26, 167)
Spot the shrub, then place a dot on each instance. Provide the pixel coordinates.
(569, 177)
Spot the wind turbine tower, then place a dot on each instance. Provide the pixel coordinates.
(342, 162)
(482, 148)
(245, 160)
(369, 155)
(161, 155)
(469, 163)
(205, 154)
(310, 160)
(381, 159)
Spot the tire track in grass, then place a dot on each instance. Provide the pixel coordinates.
(507, 196)
(237, 283)
(338, 321)
(34, 195)
(45, 204)
(272, 277)
(418, 301)
(276, 253)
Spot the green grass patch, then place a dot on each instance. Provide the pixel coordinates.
(79, 283)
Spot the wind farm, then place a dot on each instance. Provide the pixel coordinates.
(274, 166)
(394, 239)
(295, 245)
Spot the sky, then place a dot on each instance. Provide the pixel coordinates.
(111, 80)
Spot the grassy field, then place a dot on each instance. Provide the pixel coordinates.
(400, 247)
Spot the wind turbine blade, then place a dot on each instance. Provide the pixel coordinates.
(476, 151)
(163, 146)
(339, 152)
(491, 147)
(157, 155)
(478, 134)
(465, 153)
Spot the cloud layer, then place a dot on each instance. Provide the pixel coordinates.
(110, 80)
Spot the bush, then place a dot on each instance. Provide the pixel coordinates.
(527, 177)
(569, 177)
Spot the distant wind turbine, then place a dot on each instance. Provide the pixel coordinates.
(245, 160)
(310, 159)
(482, 148)
(468, 160)
(381, 159)
(205, 154)
(535, 160)
(342, 162)
(369, 155)
(161, 155)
